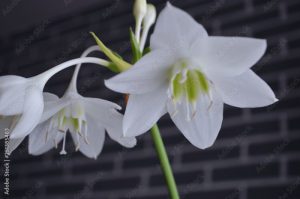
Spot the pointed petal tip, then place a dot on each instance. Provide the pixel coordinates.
(109, 84)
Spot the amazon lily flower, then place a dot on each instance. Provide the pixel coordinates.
(191, 75)
(22, 103)
(85, 118)
(22, 97)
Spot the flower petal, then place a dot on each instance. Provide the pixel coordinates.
(143, 111)
(32, 113)
(96, 136)
(100, 110)
(12, 100)
(245, 91)
(230, 56)
(176, 30)
(14, 143)
(204, 126)
(5, 123)
(11, 80)
(52, 105)
(115, 131)
(147, 74)
(104, 112)
(41, 141)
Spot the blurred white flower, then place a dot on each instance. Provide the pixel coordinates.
(22, 103)
(190, 75)
(85, 118)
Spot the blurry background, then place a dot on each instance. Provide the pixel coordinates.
(256, 154)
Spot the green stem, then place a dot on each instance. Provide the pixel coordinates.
(164, 162)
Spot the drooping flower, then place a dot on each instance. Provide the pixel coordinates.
(85, 118)
(190, 75)
(22, 103)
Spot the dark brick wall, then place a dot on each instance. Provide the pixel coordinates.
(256, 154)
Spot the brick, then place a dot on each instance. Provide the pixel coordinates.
(246, 172)
(213, 194)
(143, 162)
(64, 188)
(117, 183)
(294, 168)
(50, 172)
(275, 147)
(285, 191)
(249, 129)
(232, 151)
(182, 178)
(293, 124)
(92, 167)
(250, 19)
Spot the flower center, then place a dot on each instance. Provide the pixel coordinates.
(70, 118)
(186, 84)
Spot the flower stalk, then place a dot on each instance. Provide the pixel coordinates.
(164, 162)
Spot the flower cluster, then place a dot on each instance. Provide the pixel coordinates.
(184, 72)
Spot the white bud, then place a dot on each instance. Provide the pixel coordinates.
(150, 16)
(140, 8)
(139, 12)
(148, 21)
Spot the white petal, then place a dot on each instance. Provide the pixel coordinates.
(14, 143)
(41, 141)
(115, 131)
(245, 91)
(12, 92)
(204, 126)
(52, 105)
(32, 113)
(230, 56)
(100, 109)
(12, 100)
(96, 136)
(104, 112)
(11, 80)
(143, 111)
(5, 123)
(176, 30)
(147, 74)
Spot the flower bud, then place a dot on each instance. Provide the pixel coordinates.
(139, 12)
(140, 8)
(150, 16)
(148, 21)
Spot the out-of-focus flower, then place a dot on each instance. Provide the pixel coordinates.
(85, 118)
(22, 103)
(190, 75)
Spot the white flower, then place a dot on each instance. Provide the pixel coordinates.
(85, 118)
(190, 75)
(21, 101)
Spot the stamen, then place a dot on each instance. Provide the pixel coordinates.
(188, 111)
(194, 109)
(85, 134)
(210, 100)
(48, 129)
(184, 75)
(63, 150)
(78, 142)
(55, 140)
